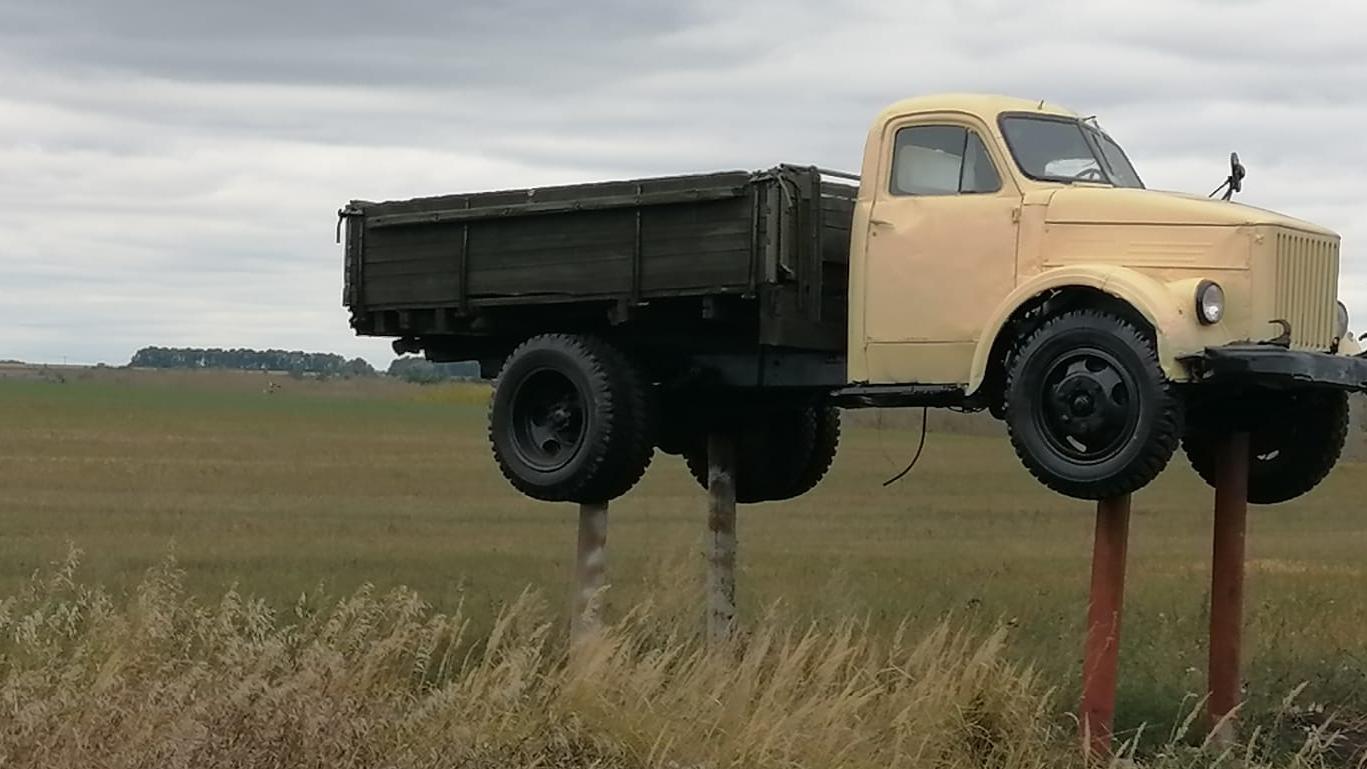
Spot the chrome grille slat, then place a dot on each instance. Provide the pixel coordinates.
(1306, 270)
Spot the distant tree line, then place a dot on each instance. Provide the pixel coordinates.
(423, 371)
(289, 361)
(408, 368)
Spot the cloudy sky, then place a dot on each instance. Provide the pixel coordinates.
(170, 169)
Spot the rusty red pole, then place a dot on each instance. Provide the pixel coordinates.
(1103, 623)
(1227, 581)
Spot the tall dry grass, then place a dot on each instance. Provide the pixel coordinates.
(379, 680)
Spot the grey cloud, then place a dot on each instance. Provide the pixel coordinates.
(171, 168)
(310, 42)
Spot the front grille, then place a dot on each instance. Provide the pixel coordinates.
(1307, 270)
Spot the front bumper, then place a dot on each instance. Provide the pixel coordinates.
(1272, 366)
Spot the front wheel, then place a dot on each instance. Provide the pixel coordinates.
(1088, 408)
(1295, 439)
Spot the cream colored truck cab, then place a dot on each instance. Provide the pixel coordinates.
(1008, 249)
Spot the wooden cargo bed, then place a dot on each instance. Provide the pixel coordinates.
(758, 258)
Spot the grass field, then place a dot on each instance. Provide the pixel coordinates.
(281, 490)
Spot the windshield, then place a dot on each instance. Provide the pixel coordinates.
(1067, 150)
(1117, 165)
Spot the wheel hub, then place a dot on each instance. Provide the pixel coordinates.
(1088, 408)
(1083, 405)
(548, 420)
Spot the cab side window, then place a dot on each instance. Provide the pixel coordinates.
(941, 160)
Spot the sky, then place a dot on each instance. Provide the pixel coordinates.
(170, 170)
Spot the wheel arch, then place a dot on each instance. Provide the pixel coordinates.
(1149, 302)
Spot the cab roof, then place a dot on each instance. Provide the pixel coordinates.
(987, 106)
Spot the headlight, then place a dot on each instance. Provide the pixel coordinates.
(1341, 322)
(1210, 302)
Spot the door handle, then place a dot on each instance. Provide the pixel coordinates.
(880, 222)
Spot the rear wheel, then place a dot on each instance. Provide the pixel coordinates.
(570, 420)
(1089, 411)
(1295, 438)
(824, 445)
(780, 454)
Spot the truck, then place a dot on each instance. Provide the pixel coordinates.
(992, 253)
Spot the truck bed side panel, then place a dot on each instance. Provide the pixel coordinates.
(696, 246)
(585, 252)
(413, 266)
(776, 241)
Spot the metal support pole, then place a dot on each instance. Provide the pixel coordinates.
(1103, 623)
(721, 537)
(1227, 583)
(589, 571)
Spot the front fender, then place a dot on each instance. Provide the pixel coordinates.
(1168, 307)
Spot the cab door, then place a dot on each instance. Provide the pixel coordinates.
(940, 250)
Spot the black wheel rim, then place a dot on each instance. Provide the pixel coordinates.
(1088, 407)
(549, 420)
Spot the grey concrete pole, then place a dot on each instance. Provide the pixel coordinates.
(590, 571)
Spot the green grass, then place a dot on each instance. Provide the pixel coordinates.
(277, 493)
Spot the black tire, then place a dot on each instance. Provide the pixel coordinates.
(570, 420)
(770, 447)
(780, 454)
(1295, 439)
(824, 446)
(637, 446)
(1088, 409)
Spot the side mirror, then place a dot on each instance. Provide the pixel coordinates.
(1235, 182)
(1236, 175)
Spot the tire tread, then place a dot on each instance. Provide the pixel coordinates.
(1168, 420)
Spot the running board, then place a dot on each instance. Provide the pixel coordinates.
(897, 396)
